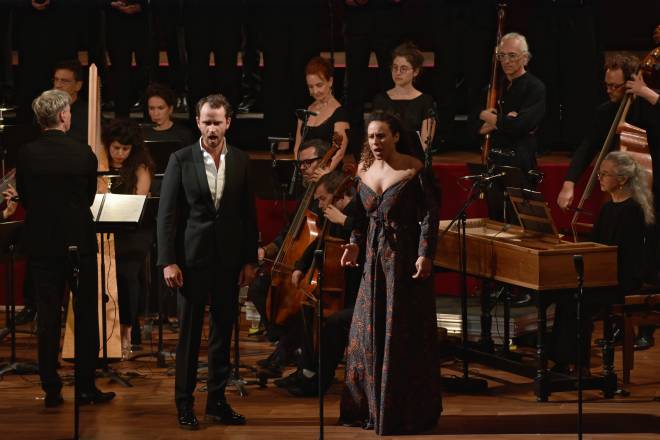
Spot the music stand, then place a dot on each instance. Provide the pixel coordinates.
(150, 214)
(113, 212)
(533, 211)
(9, 235)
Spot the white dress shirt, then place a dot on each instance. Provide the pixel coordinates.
(215, 176)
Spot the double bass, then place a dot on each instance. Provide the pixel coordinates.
(631, 139)
(493, 91)
(283, 300)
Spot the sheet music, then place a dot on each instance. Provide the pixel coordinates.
(118, 208)
(96, 206)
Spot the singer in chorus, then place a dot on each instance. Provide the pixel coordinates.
(326, 114)
(392, 369)
(412, 107)
(621, 222)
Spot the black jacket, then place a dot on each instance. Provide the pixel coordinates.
(56, 181)
(191, 232)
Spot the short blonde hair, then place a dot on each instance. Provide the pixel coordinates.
(48, 106)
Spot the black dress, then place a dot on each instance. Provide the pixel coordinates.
(176, 133)
(618, 224)
(411, 112)
(392, 370)
(326, 128)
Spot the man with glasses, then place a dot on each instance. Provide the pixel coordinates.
(620, 79)
(514, 122)
(68, 77)
(309, 158)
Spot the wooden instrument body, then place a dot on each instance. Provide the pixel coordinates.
(333, 283)
(284, 299)
(540, 262)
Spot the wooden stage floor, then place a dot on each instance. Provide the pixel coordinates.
(147, 411)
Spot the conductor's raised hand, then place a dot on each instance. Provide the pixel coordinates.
(173, 276)
(350, 255)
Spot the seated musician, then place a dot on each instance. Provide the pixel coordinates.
(160, 102)
(131, 161)
(645, 113)
(68, 77)
(338, 205)
(621, 222)
(311, 153)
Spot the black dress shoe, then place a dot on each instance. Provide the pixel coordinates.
(26, 315)
(186, 418)
(288, 381)
(644, 343)
(221, 412)
(95, 396)
(53, 400)
(304, 387)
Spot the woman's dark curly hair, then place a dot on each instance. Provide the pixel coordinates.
(367, 157)
(127, 132)
(161, 91)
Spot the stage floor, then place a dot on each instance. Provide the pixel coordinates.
(508, 411)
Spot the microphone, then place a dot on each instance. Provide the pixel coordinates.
(483, 177)
(578, 262)
(303, 113)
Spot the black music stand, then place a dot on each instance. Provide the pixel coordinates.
(150, 214)
(113, 212)
(9, 236)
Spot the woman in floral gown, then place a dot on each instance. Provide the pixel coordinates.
(392, 372)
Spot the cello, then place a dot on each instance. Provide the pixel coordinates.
(631, 139)
(282, 300)
(493, 90)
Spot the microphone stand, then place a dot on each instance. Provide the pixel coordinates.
(318, 262)
(465, 383)
(74, 259)
(303, 135)
(579, 296)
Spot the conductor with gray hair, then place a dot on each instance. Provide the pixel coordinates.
(56, 180)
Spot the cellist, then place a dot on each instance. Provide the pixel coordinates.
(309, 159)
(338, 203)
(644, 113)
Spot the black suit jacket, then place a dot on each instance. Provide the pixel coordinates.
(56, 181)
(191, 232)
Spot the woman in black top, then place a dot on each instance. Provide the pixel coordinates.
(331, 116)
(131, 161)
(622, 223)
(412, 107)
(160, 102)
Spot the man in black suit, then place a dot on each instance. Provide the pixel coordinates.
(58, 164)
(207, 203)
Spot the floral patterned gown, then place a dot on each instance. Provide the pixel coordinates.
(392, 370)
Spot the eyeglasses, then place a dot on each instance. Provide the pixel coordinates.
(612, 86)
(307, 162)
(401, 69)
(62, 80)
(604, 174)
(511, 56)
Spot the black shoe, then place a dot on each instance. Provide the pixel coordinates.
(95, 396)
(269, 373)
(644, 343)
(275, 359)
(26, 315)
(53, 399)
(290, 380)
(304, 387)
(221, 412)
(186, 417)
